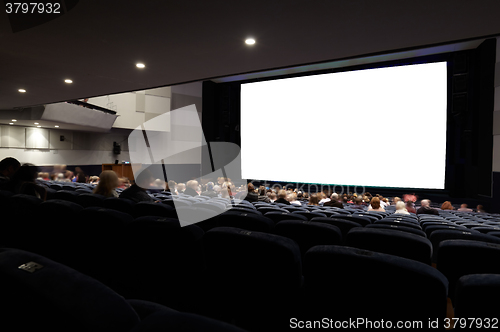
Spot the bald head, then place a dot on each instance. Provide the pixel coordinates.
(425, 202)
(335, 196)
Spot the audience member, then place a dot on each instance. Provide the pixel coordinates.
(410, 207)
(447, 206)
(358, 203)
(292, 198)
(334, 201)
(209, 192)
(282, 197)
(272, 197)
(107, 184)
(8, 167)
(94, 179)
(172, 187)
(314, 199)
(464, 208)
(480, 209)
(23, 182)
(375, 205)
(137, 191)
(262, 195)
(324, 199)
(425, 208)
(395, 200)
(191, 187)
(181, 187)
(401, 208)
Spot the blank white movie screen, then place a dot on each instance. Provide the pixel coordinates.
(377, 127)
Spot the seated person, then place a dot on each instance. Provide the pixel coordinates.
(282, 197)
(209, 192)
(8, 167)
(24, 182)
(292, 198)
(375, 205)
(401, 208)
(410, 207)
(107, 184)
(251, 195)
(396, 200)
(314, 199)
(426, 208)
(447, 206)
(464, 208)
(272, 197)
(480, 209)
(137, 191)
(191, 187)
(358, 204)
(181, 187)
(334, 201)
(324, 198)
(262, 195)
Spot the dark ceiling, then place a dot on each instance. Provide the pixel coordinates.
(98, 43)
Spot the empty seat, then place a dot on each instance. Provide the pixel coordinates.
(66, 195)
(350, 282)
(309, 215)
(309, 234)
(245, 220)
(142, 209)
(238, 208)
(363, 221)
(265, 210)
(265, 267)
(392, 242)
(20, 212)
(486, 229)
(278, 216)
(344, 225)
(398, 228)
(397, 222)
(120, 204)
(457, 258)
(88, 199)
(57, 298)
(477, 296)
(440, 235)
(431, 228)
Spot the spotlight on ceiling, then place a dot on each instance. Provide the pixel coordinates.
(38, 126)
(250, 41)
(22, 90)
(11, 123)
(13, 120)
(140, 65)
(68, 81)
(56, 126)
(36, 123)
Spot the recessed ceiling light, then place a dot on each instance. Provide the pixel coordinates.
(56, 126)
(13, 120)
(250, 41)
(36, 123)
(140, 65)
(68, 81)
(11, 123)
(38, 126)
(21, 90)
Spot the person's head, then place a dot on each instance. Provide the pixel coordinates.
(60, 176)
(314, 199)
(282, 193)
(425, 203)
(26, 172)
(181, 187)
(108, 180)
(262, 191)
(358, 201)
(68, 174)
(464, 206)
(480, 208)
(375, 203)
(290, 197)
(210, 186)
(400, 206)
(447, 206)
(143, 179)
(409, 204)
(396, 200)
(81, 178)
(193, 184)
(9, 166)
(335, 197)
(250, 188)
(272, 196)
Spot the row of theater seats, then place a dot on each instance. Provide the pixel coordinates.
(261, 263)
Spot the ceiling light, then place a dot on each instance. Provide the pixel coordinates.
(68, 81)
(11, 123)
(21, 90)
(140, 65)
(56, 126)
(13, 120)
(38, 126)
(36, 123)
(250, 41)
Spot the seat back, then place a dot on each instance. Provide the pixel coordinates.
(477, 296)
(245, 220)
(368, 284)
(392, 242)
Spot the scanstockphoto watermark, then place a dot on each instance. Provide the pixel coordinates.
(356, 323)
(312, 188)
